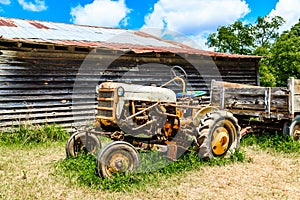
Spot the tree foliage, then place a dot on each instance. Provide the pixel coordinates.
(284, 59)
(235, 38)
(265, 31)
(242, 38)
(281, 53)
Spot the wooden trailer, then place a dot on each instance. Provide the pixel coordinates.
(270, 108)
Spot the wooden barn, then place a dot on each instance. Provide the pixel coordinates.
(49, 71)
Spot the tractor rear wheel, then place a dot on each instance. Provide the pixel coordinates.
(81, 142)
(117, 157)
(218, 135)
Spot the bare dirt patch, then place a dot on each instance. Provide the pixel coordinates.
(27, 173)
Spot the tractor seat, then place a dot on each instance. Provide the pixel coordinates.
(191, 94)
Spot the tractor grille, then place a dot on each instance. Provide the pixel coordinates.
(108, 104)
(105, 113)
(105, 103)
(106, 94)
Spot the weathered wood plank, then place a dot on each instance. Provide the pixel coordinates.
(297, 86)
(250, 99)
(220, 84)
(297, 102)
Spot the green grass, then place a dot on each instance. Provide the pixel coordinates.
(82, 170)
(33, 134)
(275, 142)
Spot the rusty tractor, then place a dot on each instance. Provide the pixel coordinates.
(137, 117)
(141, 118)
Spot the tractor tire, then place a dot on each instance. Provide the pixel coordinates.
(294, 130)
(82, 142)
(286, 128)
(218, 135)
(117, 157)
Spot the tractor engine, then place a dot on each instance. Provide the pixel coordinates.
(138, 111)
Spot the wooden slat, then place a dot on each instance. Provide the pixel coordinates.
(250, 100)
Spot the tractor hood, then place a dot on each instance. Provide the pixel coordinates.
(140, 93)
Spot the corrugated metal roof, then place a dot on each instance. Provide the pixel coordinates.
(32, 31)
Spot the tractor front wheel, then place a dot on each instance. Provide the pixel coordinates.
(81, 142)
(218, 135)
(117, 157)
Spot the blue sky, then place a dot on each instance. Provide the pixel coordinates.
(193, 18)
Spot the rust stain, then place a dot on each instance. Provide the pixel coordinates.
(38, 25)
(7, 22)
(173, 47)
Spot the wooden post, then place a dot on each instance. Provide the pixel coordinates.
(291, 87)
(222, 98)
(268, 100)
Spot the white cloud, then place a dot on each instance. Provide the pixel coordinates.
(5, 2)
(36, 6)
(289, 10)
(101, 13)
(195, 17)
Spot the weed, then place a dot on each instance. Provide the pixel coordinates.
(32, 134)
(274, 141)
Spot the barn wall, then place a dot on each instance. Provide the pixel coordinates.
(37, 86)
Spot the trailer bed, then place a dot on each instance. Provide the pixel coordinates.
(256, 101)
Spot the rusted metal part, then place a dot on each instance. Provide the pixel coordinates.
(296, 135)
(177, 79)
(172, 151)
(88, 46)
(246, 130)
(38, 25)
(7, 22)
(107, 105)
(117, 135)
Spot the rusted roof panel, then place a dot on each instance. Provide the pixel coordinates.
(90, 36)
(38, 25)
(7, 22)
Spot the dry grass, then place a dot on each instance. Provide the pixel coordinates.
(27, 173)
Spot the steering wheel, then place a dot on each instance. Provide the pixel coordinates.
(178, 71)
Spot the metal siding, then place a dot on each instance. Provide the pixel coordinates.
(38, 68)
(39, 89)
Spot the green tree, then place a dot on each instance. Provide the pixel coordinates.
(235, 38)
(265, 32)
(284, 61)
(242, 38)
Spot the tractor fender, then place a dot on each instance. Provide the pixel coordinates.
(201, 113)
